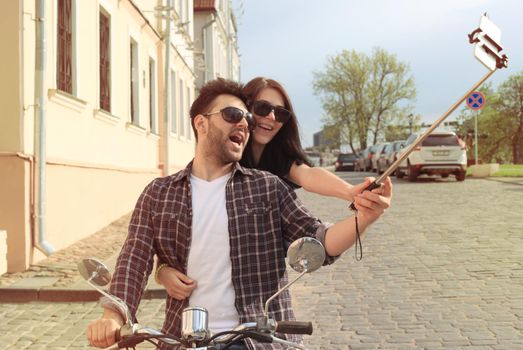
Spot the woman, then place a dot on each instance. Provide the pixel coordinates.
(273, 146)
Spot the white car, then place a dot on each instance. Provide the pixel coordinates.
(378, 150)
(314, 158)
(389, 155)
(441, 153)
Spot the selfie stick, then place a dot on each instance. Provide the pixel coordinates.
(490, 49)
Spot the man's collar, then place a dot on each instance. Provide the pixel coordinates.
(186, 173)
(241, 169)
(182, 174)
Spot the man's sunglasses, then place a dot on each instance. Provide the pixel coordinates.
(234, 115)
(264, 108)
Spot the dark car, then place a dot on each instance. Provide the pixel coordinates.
(345, 161)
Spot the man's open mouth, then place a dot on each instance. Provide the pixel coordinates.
(237, 138)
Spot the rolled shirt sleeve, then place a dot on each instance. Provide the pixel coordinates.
(299, 222)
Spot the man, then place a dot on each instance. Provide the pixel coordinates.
(224, 224)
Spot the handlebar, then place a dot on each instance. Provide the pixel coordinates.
(294, 327)
(245, 330)
(308, 255)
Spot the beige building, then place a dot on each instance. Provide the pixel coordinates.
(91, 112)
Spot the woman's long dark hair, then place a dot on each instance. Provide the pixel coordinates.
(285, 148)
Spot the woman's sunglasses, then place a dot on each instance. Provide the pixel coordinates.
(264, 108)
(234, 115)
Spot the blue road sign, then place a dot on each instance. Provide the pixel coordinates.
(476, 100)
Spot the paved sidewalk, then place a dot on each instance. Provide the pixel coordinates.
(57, 278)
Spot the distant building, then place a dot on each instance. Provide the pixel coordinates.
(322, 139)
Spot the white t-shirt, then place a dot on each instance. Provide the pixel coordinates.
(209, 260)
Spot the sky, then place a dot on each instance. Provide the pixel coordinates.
(288, 40)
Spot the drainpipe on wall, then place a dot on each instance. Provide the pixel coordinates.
(40, 127)
(167, 89)
(204, 48)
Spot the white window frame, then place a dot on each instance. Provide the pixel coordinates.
(181, 107)
(189, 126)
(173, 116)
(153, 96)
(134, 79)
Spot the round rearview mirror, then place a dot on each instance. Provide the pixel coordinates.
(94, 271)
(306, 254)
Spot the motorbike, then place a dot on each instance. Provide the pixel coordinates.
(304, 255)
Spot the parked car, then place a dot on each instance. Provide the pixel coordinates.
(360, 159)
(378, 150)
(363, 159)
(441, 153)
(314, 158)
(345, 161)
(389, 155)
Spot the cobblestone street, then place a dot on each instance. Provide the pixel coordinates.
(443, 269)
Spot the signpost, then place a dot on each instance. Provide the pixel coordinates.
(476, 101)
(488, 51)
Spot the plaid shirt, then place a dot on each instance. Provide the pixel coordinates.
(263, 212)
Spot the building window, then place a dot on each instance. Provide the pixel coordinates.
(134, 83)
(64, 76)
(152, 96)
(173, 103)
(105, 62)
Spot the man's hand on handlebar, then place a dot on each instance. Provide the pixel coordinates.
(103, 332)
(177, 285)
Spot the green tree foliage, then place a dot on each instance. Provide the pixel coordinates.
(510, 106)
(401, 125)
(360, 94)
(500, 123)
(490, 137)
(332, 135)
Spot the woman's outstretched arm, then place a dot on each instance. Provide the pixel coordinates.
(323, 182)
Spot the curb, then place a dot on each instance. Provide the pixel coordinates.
(24, 295)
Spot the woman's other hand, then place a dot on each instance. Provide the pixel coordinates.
(177, 285)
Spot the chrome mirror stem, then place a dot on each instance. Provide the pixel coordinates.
(266, 311)
(120, 303)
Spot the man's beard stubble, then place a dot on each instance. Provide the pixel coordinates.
(217, 145)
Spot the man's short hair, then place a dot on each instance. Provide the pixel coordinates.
(209, 92)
